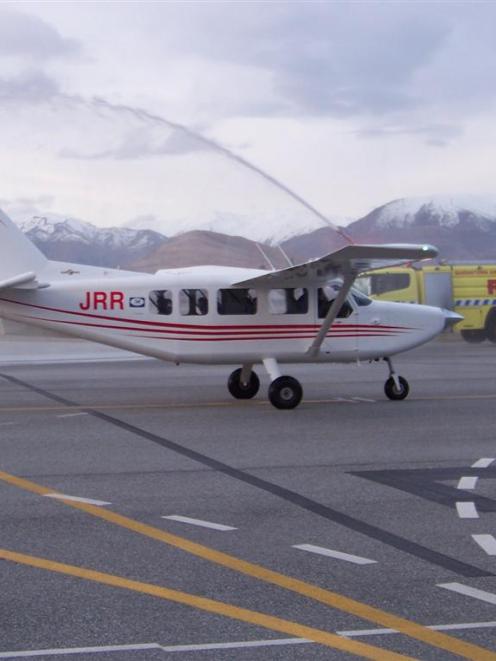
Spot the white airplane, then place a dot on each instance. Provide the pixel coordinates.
(307, 313)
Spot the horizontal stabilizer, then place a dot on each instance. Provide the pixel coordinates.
(22, 281)
(350, 260)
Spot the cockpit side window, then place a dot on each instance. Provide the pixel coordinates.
(288, 301)
(325, 298)
(237, 301)
(161, 301)
(193, 302)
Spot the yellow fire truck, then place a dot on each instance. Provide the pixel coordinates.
(469, 289)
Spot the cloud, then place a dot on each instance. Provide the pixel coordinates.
(29, 87)
(27, 36)
(438, 135)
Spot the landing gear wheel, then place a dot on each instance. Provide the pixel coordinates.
(243, 390)
(395, 393)
(474, 336)
(285, 392)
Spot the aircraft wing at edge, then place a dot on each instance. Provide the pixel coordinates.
(350, 260)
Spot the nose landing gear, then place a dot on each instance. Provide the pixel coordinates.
(396, 387)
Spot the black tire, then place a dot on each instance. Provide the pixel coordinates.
(392, 391)
(241, 390)
(474, 336)
(285, 392)
(491, 326)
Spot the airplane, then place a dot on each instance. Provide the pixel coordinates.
(308, 313)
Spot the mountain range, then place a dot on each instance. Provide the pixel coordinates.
(463, 228)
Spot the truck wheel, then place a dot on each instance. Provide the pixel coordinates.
(474, 336)
(491, 326)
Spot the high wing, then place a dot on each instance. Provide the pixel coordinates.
(346, 263)
(350, 260)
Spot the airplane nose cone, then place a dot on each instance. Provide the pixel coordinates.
(451, 318)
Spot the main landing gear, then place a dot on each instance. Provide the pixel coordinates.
(285, 392)
(396, 387)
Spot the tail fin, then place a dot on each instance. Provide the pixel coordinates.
(20, 260)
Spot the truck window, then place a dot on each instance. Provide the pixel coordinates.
(193, 302)
(237, 301)
(381, 283)
(325, 297)
(161, 301)
(288, 301)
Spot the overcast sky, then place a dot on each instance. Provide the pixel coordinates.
(351, 104)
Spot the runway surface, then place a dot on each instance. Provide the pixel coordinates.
(147, 515)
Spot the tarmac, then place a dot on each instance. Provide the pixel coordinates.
(148, 515)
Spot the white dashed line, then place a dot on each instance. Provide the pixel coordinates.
(71, 415)
(481, 595)
(6, 424)
(467, 482)
(77, 499)
(198, 522)
(79, 650)
(486, 542)
(230, 645)
(236, 645)
(467, 510)
(482, 463)
(339, 555)
(363, 399)
(434, 627)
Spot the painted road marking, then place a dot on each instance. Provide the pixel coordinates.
(482, 595)
(226, 404)
(483, 463)
(77, 499)
(434, 627)
(79, 650)
(72, 415)
(467, 510)
(467, 483)
(364, 399)
(213, 606)
(198, 522)
(339, 555)
(327, 597)
(271, 642)
(6, 424)
(486, 542)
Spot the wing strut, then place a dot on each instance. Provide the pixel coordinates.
(332, 313)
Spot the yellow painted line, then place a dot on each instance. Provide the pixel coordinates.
(435, 638)
(210, 605)
(234, 404)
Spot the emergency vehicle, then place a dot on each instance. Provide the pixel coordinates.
(467, 288)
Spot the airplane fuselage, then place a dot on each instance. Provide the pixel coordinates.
(195, 315)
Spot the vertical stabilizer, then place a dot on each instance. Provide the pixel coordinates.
(17, 254)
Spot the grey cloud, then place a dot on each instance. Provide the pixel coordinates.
(437, 135)
(29, 87)
(145, 142)
(29, 36)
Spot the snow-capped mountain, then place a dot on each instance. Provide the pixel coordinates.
(72, 240)
(263, 226)
(462, 227)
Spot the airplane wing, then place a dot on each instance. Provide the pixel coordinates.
(350, 260)
(347, 263)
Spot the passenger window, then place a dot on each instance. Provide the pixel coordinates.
(237, 301)
(326, 296)
(161, 301)
(288, 301)
(193, 302)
